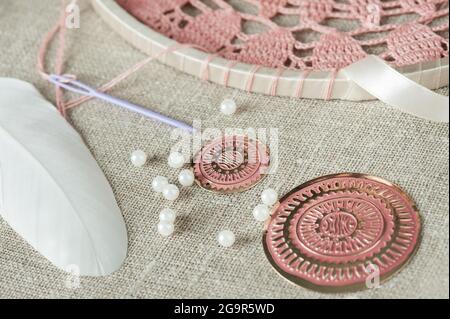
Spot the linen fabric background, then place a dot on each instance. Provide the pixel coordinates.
(316, 138)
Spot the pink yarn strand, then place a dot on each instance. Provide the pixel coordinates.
(60, 58)
(276, 80)
(205, 69)
(301, 83)
(251, 78)
(43, 50)
(60, 30)
(331, 83)
(226, 75)
(109, 85)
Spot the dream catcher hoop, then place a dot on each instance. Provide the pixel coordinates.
(295, 48)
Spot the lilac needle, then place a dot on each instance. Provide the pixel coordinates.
(83, 89)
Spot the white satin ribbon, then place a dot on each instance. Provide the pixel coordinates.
(388, 85)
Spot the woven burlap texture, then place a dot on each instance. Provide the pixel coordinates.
(316, 138)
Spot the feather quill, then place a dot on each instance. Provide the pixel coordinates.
(52, 191)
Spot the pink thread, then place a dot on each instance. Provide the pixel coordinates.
(301, 83)
(226, 75)
(43, 50)
(60, 57)
(275, 81)
(126, 74)
(331, 83)
(205, 70)
(251, 78)
(60, 29)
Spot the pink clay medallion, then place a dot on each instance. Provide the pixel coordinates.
(331, 233)
(231, 164)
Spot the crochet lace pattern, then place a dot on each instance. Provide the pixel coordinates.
(303, 34)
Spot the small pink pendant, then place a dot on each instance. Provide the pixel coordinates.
(231, 164)
(336, 233)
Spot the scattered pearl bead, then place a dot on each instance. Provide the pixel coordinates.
(171, 192)
(269, 197)
(159, 182)
(261, 212)
(138, 158)
(228, 107)
(186, 177)
(226, 238)
(167, 215)
(165, 228)
(176, 160)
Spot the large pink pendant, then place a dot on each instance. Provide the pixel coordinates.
(339, 232)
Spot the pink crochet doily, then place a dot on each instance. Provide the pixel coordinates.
(303, 34)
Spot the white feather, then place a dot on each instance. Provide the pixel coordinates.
(52, 192)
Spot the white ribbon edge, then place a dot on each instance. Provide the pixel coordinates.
(386, 84)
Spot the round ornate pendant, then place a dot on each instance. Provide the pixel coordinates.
(339, 232)
(231, 164)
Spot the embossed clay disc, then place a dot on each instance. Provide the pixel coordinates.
(337, 232)
(231, 164)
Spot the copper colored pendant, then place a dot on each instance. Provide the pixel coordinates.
(231, 164)
(331, 233)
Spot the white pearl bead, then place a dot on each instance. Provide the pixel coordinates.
(261, 212)
(269, 196)
(176, 160)
(228, 107)
(138, 158)
(186, 177)
(167, 215)
(165, 228)
(171, 192)
(226, 238)
(158, 183)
